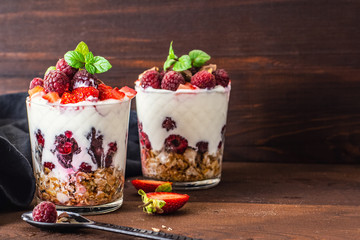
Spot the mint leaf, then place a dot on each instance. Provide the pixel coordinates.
(183, 64)
(198, 57)
(82, 48)
(89, 58)
(101, 64)
(168, 63)
(90, 68)
(171, 52)
(74, 59)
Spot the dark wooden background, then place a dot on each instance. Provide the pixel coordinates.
(295, 65)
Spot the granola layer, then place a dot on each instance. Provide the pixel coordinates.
(104, 185)
(187, 167)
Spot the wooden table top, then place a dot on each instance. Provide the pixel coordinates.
(253, 201)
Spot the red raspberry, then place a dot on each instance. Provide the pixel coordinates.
(84, 79)
(221, 77)
(56, 81)
(168, 124)
(202, 147)
(85, 167)
(172, 80)
(150, 79)
(49, 165)
(45, 212)
(176, 143)
(64, 67)
(36, 82)
(203, 79)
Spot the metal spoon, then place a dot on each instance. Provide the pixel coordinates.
(82, 222)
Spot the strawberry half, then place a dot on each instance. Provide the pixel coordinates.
(152, 185)
(83, 93)
(162, 202)
(52, 97)
(129, 92)
(68, 98)
(36, 89)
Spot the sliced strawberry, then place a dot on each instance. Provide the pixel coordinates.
(116, 94)
(187, 85)
(83, 93)
(150, 185)
(162, 202)
(129, 92)
(68, 98)
(36, 89)
(52, 97)
(104, 88)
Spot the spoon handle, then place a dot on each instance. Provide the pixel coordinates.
(136, 232)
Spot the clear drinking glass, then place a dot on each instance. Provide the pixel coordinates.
(182, 134)
(79, 154)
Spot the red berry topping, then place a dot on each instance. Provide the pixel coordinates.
(36, 82)
(86, 93)
(169, 124)
(85, 167)
(202, 147)
(49, 165)
(129, 92)
(45, 212)
(62, 66)
(84, 79)
(52, 97)
(203, 79)
(68, 98)
(150, 79)
(172, 80)
(176, 143)
(221, 77)
(56, 81)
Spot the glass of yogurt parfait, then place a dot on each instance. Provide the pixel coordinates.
(182, 120)
(78, 132)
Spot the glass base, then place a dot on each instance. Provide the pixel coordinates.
(91, 210)
(203, 184)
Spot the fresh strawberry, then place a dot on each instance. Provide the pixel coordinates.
(36, 89)
(68, 98)
(104, 88)
(83, 93)
(187, 85)
(116, 94)
(129, 92)
(52, 97)
(152, 185)
(162, 202)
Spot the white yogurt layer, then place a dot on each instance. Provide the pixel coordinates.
(199, 114)
(110, 118)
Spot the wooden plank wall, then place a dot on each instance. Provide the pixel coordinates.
(295, 65)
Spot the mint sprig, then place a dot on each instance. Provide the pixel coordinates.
(81, 57)
(195, 58)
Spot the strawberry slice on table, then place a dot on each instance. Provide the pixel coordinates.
(52, 97)
(83, 93)
(129, 92)
(162, 202)
(152, 185)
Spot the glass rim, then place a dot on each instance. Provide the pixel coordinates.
(184, 91)
(79, 104)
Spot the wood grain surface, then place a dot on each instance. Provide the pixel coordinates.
(253, 201)
(294, 64)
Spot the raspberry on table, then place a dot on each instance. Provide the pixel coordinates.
(64, 67)
(176, 143)
(56, 81)
(150, 79)
(221, 77)
(84, 79)
(202, 147)
(45, 212)
(169, 124)
(203, 79)
(172, 80)
(36, 82)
